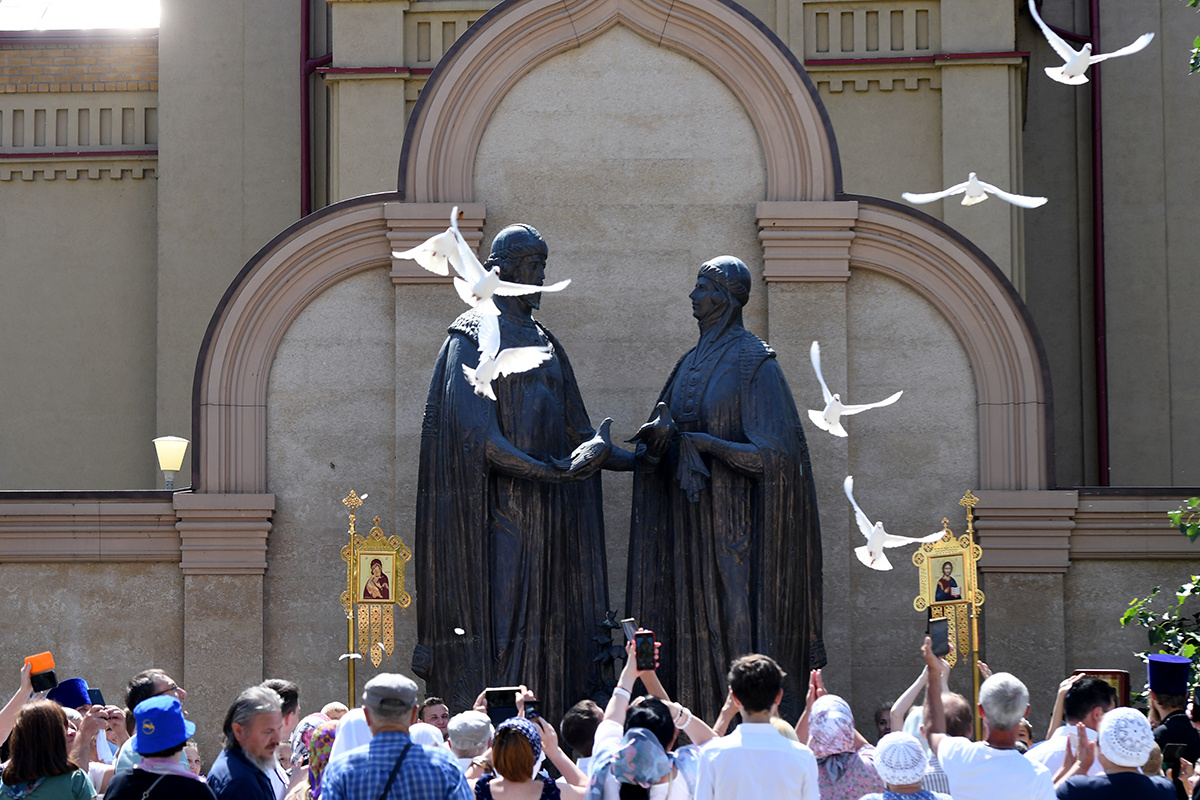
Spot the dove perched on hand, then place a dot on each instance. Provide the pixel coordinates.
(474, 284)
(831, 418)
(975, 191)
(872, 553)
(1074, 71)
(495, 363)
(656, 434)
(593, 451)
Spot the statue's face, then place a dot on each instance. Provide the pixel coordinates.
(531, 270)
(706, 298)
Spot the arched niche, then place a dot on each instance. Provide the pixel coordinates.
(444, 131)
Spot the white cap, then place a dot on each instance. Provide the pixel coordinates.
(1125, 737)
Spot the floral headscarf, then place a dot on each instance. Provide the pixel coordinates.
(642, 761)
(319, 747)
(830, 726)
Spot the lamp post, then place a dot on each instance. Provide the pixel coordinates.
(171, 450)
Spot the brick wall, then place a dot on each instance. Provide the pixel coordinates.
(119, 65)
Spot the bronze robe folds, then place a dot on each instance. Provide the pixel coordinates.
(517, 564)
(737, 570)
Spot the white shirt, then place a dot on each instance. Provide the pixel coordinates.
(278, 778)
(978, 771)
(607, 739)
(756, 762)
(1051, 752)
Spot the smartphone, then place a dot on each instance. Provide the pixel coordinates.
(531, 709)
(939, 636)
(501, 703)
(1171, 755)
(630, 628)
(643, 648)
(96, 696)
(42, 666)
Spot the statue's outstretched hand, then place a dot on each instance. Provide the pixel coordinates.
(588, 457)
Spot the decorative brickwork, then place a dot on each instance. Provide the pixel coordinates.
(119, 65)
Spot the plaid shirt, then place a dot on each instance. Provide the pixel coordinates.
(428, 773)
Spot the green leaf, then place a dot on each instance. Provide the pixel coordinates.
(1188, 650)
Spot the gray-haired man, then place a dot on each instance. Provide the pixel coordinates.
(253, 728)
(391, 765)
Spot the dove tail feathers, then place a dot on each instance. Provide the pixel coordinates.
(818, 419)
(864, 555)
(837, 430)
(1059, 75)
(482, 389)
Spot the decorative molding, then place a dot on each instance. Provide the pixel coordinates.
(806, 241)
(34, 530)
(223, 534)
(447, 124)
(409, 224)
(89, 166)
(1128, 527)
(1025, 531)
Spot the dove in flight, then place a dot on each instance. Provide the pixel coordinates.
(830, 419)
(494, 362)
(344, 656)
(1074, 71)
(474, 284)
(976, 191)
(872, 553)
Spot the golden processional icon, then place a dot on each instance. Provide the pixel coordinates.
(949, 588)
(374, 584)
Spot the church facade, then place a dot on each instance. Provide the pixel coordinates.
(198, 224)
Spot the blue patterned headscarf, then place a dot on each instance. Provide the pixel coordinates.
(641, 760)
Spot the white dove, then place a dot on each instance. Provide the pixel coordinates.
(474, 284)
(494, 362)
(830, 419)
(872, 553)
(1073, 72)
(344, 656)
(975, 191)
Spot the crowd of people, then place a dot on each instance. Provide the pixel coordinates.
(641, 746)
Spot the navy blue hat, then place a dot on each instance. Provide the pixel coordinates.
(1169, 674)
(71, 693)
(160, 725)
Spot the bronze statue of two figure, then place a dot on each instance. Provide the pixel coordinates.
(725, 544)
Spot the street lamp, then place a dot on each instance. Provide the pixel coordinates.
(170, 451)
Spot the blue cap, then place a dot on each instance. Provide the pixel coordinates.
(71, 693)
(160, 725)
(1169, 674)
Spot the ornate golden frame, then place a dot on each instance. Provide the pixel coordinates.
(376, 624)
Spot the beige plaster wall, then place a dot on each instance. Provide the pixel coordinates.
(229, 160)
(330, 423)
(911, 463)
(102, 622)
(77, 334)
(636, 165)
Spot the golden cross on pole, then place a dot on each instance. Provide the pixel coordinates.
(352, 501)
(969, 501)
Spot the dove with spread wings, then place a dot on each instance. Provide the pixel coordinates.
(830, 419)
(1074, 71)
(872, 553)
(975, 191)
(495, 363)
(474, 284)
